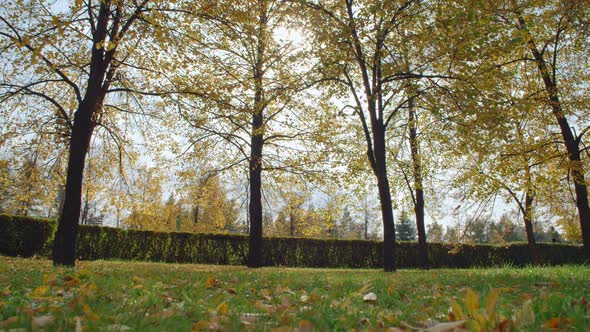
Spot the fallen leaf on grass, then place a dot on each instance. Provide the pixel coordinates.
(40, 291)
(211, 325)
(471, 302)
(448, 327)
(305, 325)
(71, 281)
(89, 313)
(524, 317)
(6, 291)
(370, 297)
(117, 328)
(556, 323)
(78, 324)
(223, 309)
(505, 326)
(50, 278)
(211, 282)
(9, 321)
(40, 322)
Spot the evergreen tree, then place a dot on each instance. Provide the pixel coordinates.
(405, 229)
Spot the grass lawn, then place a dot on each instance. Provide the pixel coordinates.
(118, 296)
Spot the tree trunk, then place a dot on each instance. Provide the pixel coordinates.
(255, 253)
(64, 244)
(255, 207)
(571, 143)
(366, 206)
(380, 170)
(528, 225)
(418, 187)
(291, 223)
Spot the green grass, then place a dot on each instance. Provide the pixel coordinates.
(113, 295)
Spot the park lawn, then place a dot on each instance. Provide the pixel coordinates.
(118, 296)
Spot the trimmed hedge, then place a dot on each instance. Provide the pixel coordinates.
(22, 236)
(25, 236)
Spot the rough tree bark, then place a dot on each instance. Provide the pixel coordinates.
(255, 252)
(64, 251)
(418, 186)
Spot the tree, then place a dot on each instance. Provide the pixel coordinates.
(406, 231)
(549, 36)
(70, 59)
(246, 93)
(476, 230)
(508, 141)
(210, 209)
(347, 228)
(358, 44)
(288, 221)
(435, 232)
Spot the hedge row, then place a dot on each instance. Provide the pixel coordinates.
(21, 236)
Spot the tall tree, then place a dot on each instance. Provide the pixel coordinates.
(562, 36)
(74, 57)
(360, 43)
(246, 93)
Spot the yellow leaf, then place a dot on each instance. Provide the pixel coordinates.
(365, 288)
(49, 278)
(471, 302)
(89, 313)
(6, 291)
(525, 316)
(40, 291)
(390, 289)
(457, 311)
(491, 302)
(84, 274)
(201, 326)
(211, 282)
(223, 309)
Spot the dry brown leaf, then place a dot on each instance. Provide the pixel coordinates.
(370, 297)
(6, 291)
(9, 321)
(40, 322)
(556, 323)
(448, 327)
(78, 325)
(505, 325)
(305, 325)
(395, 329)
(117, 328)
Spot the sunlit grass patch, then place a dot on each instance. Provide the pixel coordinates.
(105, 295)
